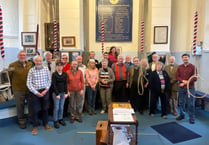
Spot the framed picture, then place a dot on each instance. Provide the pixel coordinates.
(4, 78)
(160, 34)
(28, 38)
(71, 55)
(30, 50)
(75, 54)
(68, 41)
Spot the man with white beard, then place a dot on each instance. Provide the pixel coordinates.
(38, 83)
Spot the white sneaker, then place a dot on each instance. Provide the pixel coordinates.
(102, 112)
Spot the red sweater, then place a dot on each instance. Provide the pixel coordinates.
(112, 58)
(185, 72)
(66, 67)
(75, 81)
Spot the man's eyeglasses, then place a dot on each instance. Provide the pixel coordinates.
(64, 58)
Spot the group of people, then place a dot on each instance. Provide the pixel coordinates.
(171, 84)
(61, 86)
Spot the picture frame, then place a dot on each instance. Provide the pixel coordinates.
(4, 78)
(30, 50)
(70, 54)
(28, 38)
(160, 34)
(75, 54)
(68, 41)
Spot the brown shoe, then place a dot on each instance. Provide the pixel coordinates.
(175, 113)
(71, 120)
(79, 120)
(34, 131)
(22, 123)
(47, 127)
(23, 126)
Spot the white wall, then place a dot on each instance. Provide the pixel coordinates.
(11, 23)
(160, 16)
(70, 22)
(10, 30)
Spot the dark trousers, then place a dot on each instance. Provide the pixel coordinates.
(40, 104)
(20, 97)
(138, 102)
(146, 96)
(66, 104)
(51, 102)
(98, 103)
(163, 100)
(119, 91)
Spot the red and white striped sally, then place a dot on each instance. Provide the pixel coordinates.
(1, 35)
(195, 32)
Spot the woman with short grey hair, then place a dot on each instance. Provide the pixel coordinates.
(106, 79)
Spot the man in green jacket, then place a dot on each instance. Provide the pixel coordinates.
(18, 72)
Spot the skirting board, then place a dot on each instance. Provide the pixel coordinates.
(9, 112)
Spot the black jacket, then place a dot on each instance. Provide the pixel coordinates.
(155, 84)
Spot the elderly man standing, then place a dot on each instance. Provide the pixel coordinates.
(75, 83)
(120, 84)
(50, 63)
(82, 67)
(154, 61)
(18, 72)
(128, 62)
(38, 83)
(137, 82)
(92, 56)
(171, 69)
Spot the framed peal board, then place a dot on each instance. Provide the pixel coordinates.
(160, 34)
(117, 18)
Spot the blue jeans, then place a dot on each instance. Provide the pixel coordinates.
(58, 107)
(91, 98)
(186, 103)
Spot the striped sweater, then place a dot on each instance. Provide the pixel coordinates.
(120, 71)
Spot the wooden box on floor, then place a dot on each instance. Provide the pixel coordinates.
(101, 133)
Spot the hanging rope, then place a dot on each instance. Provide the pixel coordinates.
(102, 30)
(194, 52)
(102, 36)
(55, 36)
(1, 35)
(54, 26)
(140, 81)
(142, 36)
(195, 32)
